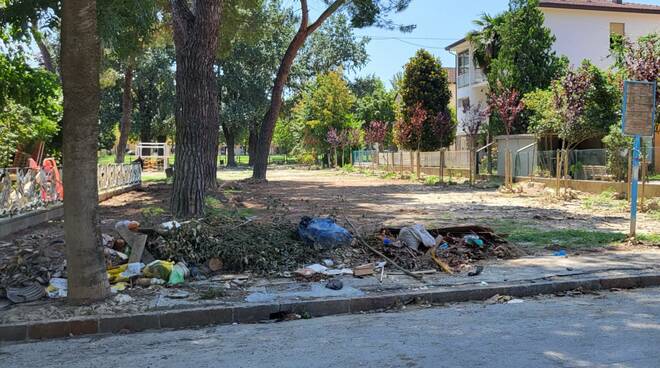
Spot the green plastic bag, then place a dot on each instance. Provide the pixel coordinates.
(178, 274)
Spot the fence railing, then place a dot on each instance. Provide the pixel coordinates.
(587, 164)
(23, 190)
(452, 159)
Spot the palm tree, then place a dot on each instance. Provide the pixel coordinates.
(80, 55)
(486, 40)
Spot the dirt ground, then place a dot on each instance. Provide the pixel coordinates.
(391, 202)
(369, 202)
(372, 202)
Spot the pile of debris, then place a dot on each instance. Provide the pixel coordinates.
(450, 249)
(236, 244)
(29, 263)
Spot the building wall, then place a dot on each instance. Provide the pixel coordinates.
(585, 34)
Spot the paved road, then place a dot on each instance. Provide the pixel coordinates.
(620, 329)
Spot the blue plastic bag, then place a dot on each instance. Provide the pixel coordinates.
(323, 233)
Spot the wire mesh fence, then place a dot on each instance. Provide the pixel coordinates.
(586, 164)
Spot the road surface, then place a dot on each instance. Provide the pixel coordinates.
(613, 329)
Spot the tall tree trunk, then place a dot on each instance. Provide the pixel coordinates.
(46, 58)
(197, 113)
(252, 145)
(268, 125)
(126, 112)
(87, 279)
(230, 138)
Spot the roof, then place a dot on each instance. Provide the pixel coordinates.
(449, 47)
(451, 74)
(601, 5)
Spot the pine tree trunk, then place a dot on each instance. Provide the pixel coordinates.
(87, 279)
(197, 113)
(46, 58)
(268, 125)
(126, 111)
(230, 139)
(252, 146)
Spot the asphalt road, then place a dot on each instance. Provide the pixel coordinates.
(613, 329)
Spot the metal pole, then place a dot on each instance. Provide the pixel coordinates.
(633, 186)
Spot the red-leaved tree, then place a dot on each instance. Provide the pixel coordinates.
(508, 105)
(333, 139)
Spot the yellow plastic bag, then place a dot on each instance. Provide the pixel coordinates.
(159, 269)
(114, 274)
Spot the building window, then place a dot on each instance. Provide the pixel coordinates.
(617, 31)
(463, 63)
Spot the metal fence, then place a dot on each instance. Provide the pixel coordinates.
(23, 190)
(452, 159)
(587, 164)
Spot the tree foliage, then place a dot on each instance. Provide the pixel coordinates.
(31, 107)
(425, 88)
(326, 104)
(507, 104)
(525, 60)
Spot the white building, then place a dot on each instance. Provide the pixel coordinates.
(582, 29)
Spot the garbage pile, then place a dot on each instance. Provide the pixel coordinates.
(236, 244)
(30, 272)
(450, 249)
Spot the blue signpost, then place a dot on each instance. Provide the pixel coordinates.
(638, 117)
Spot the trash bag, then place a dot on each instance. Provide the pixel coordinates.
(159, 269)
(415, 235)
(179, 273)
(323, 233)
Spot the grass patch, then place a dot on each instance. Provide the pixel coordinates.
(432, 180)
(653, 238)
(215, 208)
(152, 211)
(530, 236)
(605, 199)
(388, 175)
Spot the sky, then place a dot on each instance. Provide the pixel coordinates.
(439, 23)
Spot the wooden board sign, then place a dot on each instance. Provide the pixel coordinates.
(639, 108)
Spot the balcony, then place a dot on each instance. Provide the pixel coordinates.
(474, 76)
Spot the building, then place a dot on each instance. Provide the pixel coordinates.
(582, 29)
(451, 83)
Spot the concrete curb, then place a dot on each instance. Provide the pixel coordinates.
(251, 313)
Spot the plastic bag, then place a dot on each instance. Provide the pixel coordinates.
(178, 274)
(323, 233)
(414, 235)
(159, 269)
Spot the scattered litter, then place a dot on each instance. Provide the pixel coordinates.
(177, 294)
(335, 284)
(483, 283)
(170, 225)
(284, 316)
(415, 235)
(133, 270)
(364, 270)
(57, 288)
(560, 253)
(120, 286)
(26, 294)
(137, 241)
(515, 301)
(473, 240)
(159, 269)
(328, 262)
(123, 298)
(499, 299)
(323, 233)
(477, 271)
(179, 273)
